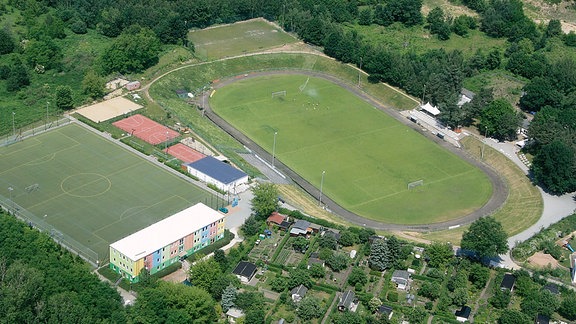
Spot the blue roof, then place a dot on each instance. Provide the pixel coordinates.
(218, 170)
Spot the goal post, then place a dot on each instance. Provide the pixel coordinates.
(303, 86)
(414, 184)
(279, 94)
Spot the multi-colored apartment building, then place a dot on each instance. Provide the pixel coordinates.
(165, 242)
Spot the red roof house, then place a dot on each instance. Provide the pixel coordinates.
(275, 219)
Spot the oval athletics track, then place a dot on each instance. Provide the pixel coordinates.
(499, 192)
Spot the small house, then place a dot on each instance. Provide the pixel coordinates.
(182, 94)
(348, 301)
(285, 225)
(508, 282)
(552, 288)
(542, 319)
(298, 293)
(463, 314)
(401, 278)
(233, 314)
(332, 232)
(132, 85)
(301, 227)
(386, 311)
(315, 228)
(275, 219)
(245, 271)
(313, 259)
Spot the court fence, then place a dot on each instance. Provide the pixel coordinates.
(61, 238)
(29, 131)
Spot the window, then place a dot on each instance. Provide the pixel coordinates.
(180, 249)
(181, 241)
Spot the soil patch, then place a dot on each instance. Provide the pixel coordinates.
(541, 260)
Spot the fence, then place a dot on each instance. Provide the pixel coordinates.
(23, 133)
(59, 237)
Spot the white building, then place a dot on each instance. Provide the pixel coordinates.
(212, 171)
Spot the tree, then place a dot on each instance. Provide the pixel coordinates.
(64, 97)
(394, 249)
(554, 167)
(309, 308)
(500, 119)
(220, 258)
(278, 284)
(93, 85)
(256, 316)
(249, 300)
(299, 276)
(135, 50)
(364, 234)
(568, 307)
(357, 276)
(500, 299)
(7, 44)
(439, 254)
(204, 273)
(300, 244)
(44, 52)
(486, 237)
(221, 283)
(416, 315)
(479, 275)
(251, 226)
(189, 304)
(337, 262)
(328, 241)
(539, 302)
(265, 200)
(379, 256)
(228, 298)
(430, 290)
(539, 93)
(18, 77)
(348, 238)
(460, 296)
(317, 271)
(365, 16)
(511, 316)
(374, 303)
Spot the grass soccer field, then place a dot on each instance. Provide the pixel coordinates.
(239, 38)
(89, 188)
(368, 157)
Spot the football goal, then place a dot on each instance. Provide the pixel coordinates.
(302, 87)
(415, 184)
(279, 94)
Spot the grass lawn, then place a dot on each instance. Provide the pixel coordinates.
(369, 157)
(239, 38)
(91, 189)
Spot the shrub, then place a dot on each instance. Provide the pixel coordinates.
(392, 296)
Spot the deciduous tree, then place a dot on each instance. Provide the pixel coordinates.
(512, 316)
(486, 237)
(204, 273)
(500, 119)
(357, 276)
(265, 200)
(337, 262)
(309, 308)
(439, 254)
(64, 98)
(554, 167)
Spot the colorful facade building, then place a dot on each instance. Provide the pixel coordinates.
(165, 242)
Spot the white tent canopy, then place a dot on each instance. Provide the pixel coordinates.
(430, 109)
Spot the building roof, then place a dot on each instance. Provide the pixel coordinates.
(276, 218)
(553, 288)
(302, 224)
(300, 290)
(467, 93)
(315, 226)
(312, 261)
(235, 312)
(401, 274)
(464, 312)
(332, 232)
(431, 109)
(285, 224)
(166, 231)
(245, 269)
(218, 170)
(508, 281)
(383, 309)
(542, 319)
(347, 299)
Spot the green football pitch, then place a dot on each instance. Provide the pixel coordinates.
(368, 157)
(89, 188)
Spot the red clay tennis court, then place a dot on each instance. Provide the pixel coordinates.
(184, 153)
(146, 129)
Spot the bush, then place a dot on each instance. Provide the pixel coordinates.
(392, 296)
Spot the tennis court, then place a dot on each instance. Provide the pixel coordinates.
(184, 153)
(146, 129)
(89, 188)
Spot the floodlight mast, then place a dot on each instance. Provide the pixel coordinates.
(274, 150)
(321, 185)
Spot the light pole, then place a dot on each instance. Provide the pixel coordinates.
(359, 71)
(484, 142)
(166, 143)
(13, 124)
(321, 185)
(46, 125)
(274, 150)
(10, 189)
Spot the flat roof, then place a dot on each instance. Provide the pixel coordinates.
(217, 169)
(166, 231)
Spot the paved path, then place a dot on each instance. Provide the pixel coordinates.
(127, 296)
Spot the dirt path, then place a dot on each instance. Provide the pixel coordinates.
(482, 297)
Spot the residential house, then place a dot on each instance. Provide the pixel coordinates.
(245, 271)
(401, 278)
(301, 227)
(542, 319)
(386, 311)
(508, 282)
(298, 293)
(233, 314)
(348, 301)
(463, 314)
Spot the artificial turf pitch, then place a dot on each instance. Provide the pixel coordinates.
(91, 189)
(368, 156)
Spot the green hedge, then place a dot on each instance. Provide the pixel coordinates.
(426, 278)
(325, 287)
(109, 274)
(299, 215)
(228, 237)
